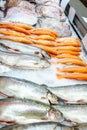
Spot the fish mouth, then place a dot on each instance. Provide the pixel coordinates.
(55, 115)
(54, 100)
(45, 55)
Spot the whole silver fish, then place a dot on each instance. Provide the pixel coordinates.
(75, 114)
(73, 94)
(13, 87)
(23, 61)
(18, 47)
(38, 126)
(27, 111)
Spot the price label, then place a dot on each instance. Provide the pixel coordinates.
(72, 13)
(84, 40)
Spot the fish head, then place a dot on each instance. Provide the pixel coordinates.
(3, 4)
(55, 115)
(52, 98)
(45, 54)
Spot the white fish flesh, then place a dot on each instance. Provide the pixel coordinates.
(20, 11)
(61, 28)
(51, 10)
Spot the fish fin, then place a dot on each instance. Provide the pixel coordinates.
(69, 123)
(44, 118)
(59, 76)
(11, 96)
(72, 122)
(4, 95)
(43, 98)
(3, 123)
(7, 122)
(81, 101)
(11, 122)
(66, 101)
(14, 50)
(10, 49)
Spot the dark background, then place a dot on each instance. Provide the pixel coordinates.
(84, 2)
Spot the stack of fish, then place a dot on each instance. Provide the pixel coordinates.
(32, 106)
(37, 13)
(76, 67)
(17, 54)
(21, 105)
(25, 105)
(24, 102)
(22, 94)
